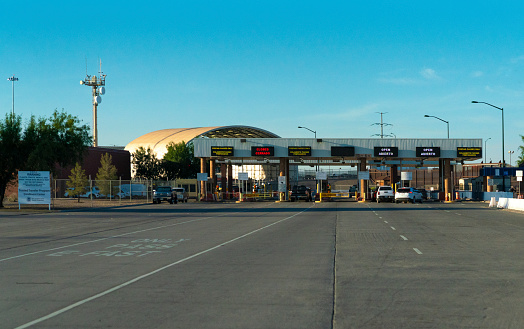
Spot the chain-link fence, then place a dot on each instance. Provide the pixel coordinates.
(119, 190)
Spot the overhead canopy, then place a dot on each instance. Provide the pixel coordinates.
(158, 140)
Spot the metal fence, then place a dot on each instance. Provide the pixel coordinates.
(119, 189)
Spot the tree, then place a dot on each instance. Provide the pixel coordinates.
(45, 142)
(106, 173)
(179, 161)
(11, 150)
(77, 183)
(520, 161)
(145, 164)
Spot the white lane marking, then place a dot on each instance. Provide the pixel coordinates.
(102, 239)
(394, 229)
(380, 217)
(404, 238)
(458, 214)
(125, 284)
(386, 221)
(417, 251)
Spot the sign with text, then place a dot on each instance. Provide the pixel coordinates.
(430, 152)
(262, 151)
(34, 187)
(380, 151)
(202, 177)
(282, 184)
(469, 152)
(320, 175)
(342, 151)
(243, 176)
(222, 151)
(299, 151)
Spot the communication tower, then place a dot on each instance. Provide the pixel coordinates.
(97, 84)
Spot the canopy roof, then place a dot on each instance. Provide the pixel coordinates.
(158, 140)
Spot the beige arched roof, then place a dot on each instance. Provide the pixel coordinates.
(158, 140)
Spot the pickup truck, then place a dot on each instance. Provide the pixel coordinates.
(300, 192)
(385, 193)
(181, 193)
(166, 193)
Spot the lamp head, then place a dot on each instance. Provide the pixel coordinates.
(426, 116)
(475, 102)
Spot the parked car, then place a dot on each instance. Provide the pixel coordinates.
(408, 194)
(164, 193)
(70, 192)
(385, 193)
(181, 193)
(133, 190)
(300, 192)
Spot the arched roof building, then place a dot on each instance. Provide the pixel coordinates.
(158, 140)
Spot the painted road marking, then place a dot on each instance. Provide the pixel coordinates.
(394, 229)
(417, 251)
(386, 221)
(125, 284)
(404, 238)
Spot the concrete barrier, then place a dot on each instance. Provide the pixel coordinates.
(511, 203)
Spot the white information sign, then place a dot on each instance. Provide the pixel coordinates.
(34, 187)
(519, 178)
(406, 175)
(321, 175)
(363, 175)
(519, 173)
(282, 184)
(202, 177)
(243, 176)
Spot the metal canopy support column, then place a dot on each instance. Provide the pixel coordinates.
(229, 181)
(363, 183)
(284, 171)
(447, 180)
(203, 183)
(212, 176)
(223, 180)
(394, 175)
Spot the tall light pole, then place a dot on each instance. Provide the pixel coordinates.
(431, 116)
(510, 153)
(13, 79)
(382, 124)
(503, 159)
(309, 130)
(485, 150)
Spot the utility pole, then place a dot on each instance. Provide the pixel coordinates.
(382, 124)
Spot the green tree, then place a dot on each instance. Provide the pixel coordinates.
(106, 173)
(145, 164)
(179, 161)
(77, 183)
(11, 151)
(44, 143)
(520, 160)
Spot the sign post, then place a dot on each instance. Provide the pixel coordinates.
(34, 187)
(201, 177)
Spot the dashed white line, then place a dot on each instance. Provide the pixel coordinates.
(386, 221)
(404, 238)
(394, 229)
(417, 251)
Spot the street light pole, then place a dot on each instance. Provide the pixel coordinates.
(431, 116)
(318, 161)
(13, 79)
(510, 153)
(503, 159)
(485, 150)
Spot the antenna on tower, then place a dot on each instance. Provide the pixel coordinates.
(97, 84)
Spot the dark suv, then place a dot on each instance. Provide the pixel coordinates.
(300, 192)
(166, 193)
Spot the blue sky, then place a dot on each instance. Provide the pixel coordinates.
(330, 66)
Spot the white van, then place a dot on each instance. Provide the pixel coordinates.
(133, 190)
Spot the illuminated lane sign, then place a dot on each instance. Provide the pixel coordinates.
(430, 152)
(262, 151)
(386, 151)
(299, 151)
(342, 151)
(222, 151)
(469, 152)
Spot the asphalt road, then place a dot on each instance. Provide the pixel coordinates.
(264, 265)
